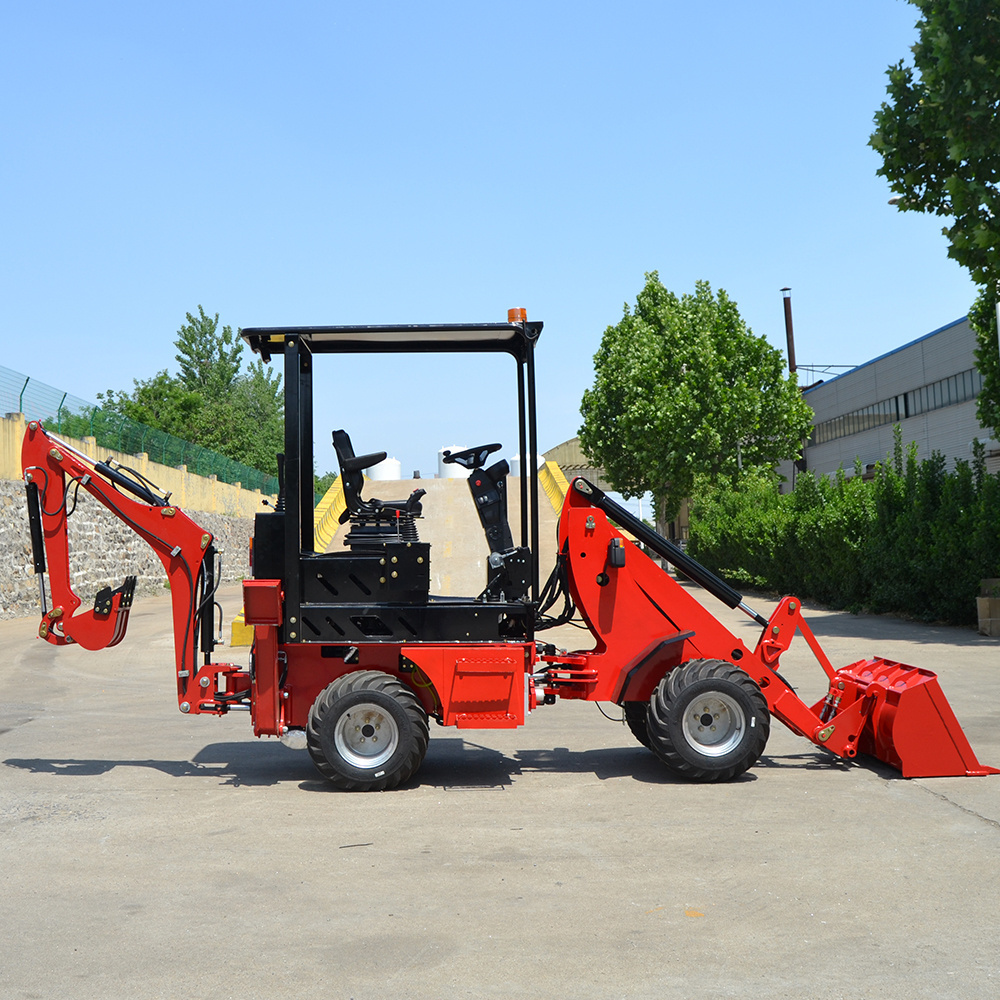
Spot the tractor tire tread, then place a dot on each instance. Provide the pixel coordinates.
(661, 721)
(634, 713)
(382, 683)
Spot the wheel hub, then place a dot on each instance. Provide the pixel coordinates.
(366, 736)
(713, 724)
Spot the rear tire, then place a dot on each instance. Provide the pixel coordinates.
(635, 719)
(708, 721)
(367, 732)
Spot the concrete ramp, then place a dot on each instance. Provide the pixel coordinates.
(451, 526)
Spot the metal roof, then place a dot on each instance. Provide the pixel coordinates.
(509, 338)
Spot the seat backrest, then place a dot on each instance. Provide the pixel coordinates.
(351, 470)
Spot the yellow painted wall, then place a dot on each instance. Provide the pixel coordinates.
(554, 483)
(326, 518)
(189, 492)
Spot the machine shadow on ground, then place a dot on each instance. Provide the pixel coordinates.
(236, 763)
(451, 763)
(455, 763)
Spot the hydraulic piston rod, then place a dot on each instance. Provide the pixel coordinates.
(704, 577)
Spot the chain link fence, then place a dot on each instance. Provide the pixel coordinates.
(73, 417)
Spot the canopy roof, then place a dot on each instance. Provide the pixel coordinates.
(509, 338)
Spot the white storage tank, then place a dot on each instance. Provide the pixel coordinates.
(388, 468)
(515, 464)
(451, 470)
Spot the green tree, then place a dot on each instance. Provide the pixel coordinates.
(251, 416)
(983, 319)
(939, 139)
(161, 402)
(683, 388)
(209, 360)
(323, 483)
(211, 402)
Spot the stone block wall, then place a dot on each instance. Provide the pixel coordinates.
(103, 551)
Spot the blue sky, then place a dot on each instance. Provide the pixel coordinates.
(398, 162)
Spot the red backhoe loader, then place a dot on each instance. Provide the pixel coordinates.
(353, 654)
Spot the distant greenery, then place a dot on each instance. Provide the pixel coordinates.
(682, 389)
(211, 402)
(983, 319)
(914, 540)
(111, 430)
(939, 140)
(937, 133)
(322, 483)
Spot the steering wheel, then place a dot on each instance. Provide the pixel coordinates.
(471, 458)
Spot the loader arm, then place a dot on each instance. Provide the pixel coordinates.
(54, 472)
(645, 624)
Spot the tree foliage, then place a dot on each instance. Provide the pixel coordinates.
(682, 387)
(211, 402)
(161, 402)
(209, 360)
(323, 483)
(914, 539)
(937, 135)
(939, 139)
(983, 319)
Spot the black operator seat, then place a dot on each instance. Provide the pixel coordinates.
(352, 473)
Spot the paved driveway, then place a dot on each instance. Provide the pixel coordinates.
(146, 854)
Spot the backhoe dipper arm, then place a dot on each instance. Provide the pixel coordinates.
(54, 473)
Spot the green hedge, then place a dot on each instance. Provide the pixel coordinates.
(914, 540)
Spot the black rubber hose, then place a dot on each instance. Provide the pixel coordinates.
(120, 479)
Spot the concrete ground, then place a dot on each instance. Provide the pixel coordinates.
(146, 854)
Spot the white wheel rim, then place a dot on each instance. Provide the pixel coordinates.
(366, 736)
(713, 724)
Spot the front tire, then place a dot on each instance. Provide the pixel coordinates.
(367, 732)
(708, 721)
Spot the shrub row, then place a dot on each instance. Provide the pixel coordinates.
(914, 540)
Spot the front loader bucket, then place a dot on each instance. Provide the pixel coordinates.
(910, 724)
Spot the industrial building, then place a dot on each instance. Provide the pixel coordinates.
(928, 387)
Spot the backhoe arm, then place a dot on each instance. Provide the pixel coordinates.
(54, 474)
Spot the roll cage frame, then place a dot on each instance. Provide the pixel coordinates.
(299, 345)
